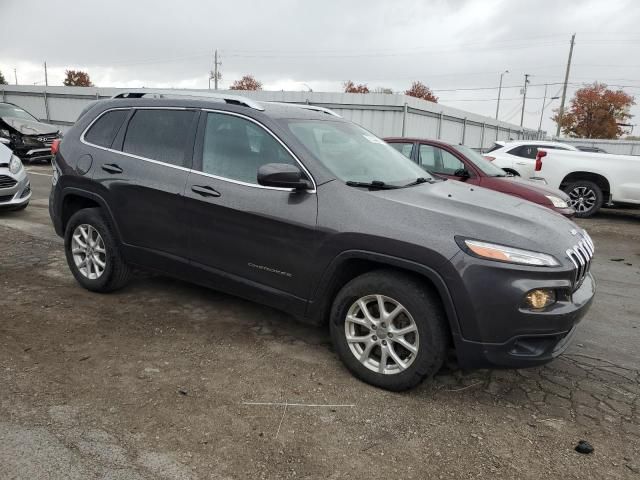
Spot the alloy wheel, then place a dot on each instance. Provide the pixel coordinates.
(88, 250)
(582, 199)
(382, 334)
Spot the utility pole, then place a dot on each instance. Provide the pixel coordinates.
(564, 88)
(215, 70)
(499, 92)
(15, 75)
(215, 74)
(46, 79)
(524, 98)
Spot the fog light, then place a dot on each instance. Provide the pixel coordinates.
(540, 298)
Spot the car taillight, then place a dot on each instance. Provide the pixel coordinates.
(539, 156)
(491, 159)
(55, 146)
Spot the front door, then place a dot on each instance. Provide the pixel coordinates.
(262, 237)
(439, 161)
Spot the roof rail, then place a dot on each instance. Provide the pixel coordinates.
(232, 99)
(307, 106)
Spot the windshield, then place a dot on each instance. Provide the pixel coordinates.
(353, 154)
(15, 112)
(479, 161)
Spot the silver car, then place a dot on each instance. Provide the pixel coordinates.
(15, 189)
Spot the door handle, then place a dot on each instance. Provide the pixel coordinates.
(111, 168)
(205, 191)
(521, 163)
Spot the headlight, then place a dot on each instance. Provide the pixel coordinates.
(557, 201)
(15, 164)
(502, 253)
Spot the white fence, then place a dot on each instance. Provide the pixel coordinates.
(619, 147)
(385, 115)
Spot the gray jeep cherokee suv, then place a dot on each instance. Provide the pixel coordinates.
(299, 209)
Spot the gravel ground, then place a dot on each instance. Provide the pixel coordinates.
(156, 382)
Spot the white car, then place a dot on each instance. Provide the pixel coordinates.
(590, 179)
(15, 190)
(518, 158)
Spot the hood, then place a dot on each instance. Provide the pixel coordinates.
(29, 127)
(516, 186)
(482, 214)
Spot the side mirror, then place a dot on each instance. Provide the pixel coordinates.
(462, 173)
(282, 175)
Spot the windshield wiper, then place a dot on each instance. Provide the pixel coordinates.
(420, 180)
(374, 184)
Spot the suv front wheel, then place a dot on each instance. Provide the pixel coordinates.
(92, 252)
(389, 329)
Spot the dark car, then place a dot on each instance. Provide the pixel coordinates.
(23, 133)
(458, 162)
(309, 213)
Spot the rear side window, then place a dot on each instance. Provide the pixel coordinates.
(159, 135)
(403, 148)
(105, 129)
(525, 151)
(428, 157)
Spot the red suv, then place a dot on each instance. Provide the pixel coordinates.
(458, 162)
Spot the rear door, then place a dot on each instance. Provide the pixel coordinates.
(256, 235)
(145, 176)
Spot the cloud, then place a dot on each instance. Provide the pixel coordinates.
(287, 43)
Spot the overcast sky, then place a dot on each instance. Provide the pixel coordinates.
(286, 44)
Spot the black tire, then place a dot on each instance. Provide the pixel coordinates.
(421, 303)
(591, 190)
(116, 272)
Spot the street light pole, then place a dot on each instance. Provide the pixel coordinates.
(543, 107)
(499, 92)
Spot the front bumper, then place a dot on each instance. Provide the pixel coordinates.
(498, 330)
(34, 154)
(18, 194)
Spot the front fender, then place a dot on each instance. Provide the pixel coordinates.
(321, 301)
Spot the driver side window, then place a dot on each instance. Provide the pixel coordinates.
(235, 148)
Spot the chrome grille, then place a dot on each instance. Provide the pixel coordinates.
(581, 256)
(7, 182)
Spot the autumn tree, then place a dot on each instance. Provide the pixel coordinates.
(2, 80)
(420, 90)
(596, 112)
(247, 82)
(77, 78)
(350, 87)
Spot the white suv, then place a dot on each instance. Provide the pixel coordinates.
(519, 158)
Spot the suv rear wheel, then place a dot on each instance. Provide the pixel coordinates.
(585, 197)
(92, 252)
(389, 329)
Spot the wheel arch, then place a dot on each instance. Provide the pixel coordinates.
(75, 199)
(597, 178)
(511, 171)
(353, 263)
